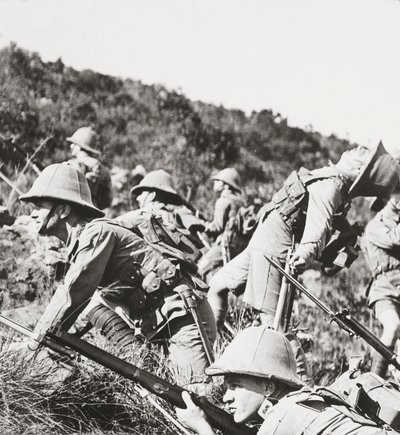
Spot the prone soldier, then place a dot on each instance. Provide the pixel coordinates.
(381, 244)
(262, 387)
(303, 209)
(85, 157)
(120, 268)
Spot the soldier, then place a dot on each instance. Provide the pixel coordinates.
(86, 158)
(381, 244)
(126, 271)
(262, 387)
(302, 212)
(227, 244)
(156, 195)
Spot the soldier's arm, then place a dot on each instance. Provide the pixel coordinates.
(324, 200)
(193, 417)
(382, 235)
(130, 219)
(221, 213)
(81, 281)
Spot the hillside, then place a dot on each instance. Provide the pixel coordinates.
(146, 124)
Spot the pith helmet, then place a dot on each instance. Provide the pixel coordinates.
(229, 176)
(258, 351)
(63, 182)
(379, 177)
(86, 138)
(158, 180)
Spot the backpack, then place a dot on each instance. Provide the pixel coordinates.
(169, 241)
(371, 395)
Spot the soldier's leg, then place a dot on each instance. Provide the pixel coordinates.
(388, 314)
(210, 263)
(186, 351)
(272, 238)
(231, 277)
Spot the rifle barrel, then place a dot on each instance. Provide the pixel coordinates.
(345, 320)
(62, 342)
(301, 287)
(371, 339)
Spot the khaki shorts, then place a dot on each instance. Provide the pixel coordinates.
(251, 272)
(385, 286)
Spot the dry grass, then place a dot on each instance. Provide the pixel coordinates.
(44, 396)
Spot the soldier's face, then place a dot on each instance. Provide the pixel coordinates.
(218, 186)
(75, 149)
(244, 396)
(45, 217)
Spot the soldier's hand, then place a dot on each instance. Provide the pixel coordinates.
(297, 263)
(193, 417)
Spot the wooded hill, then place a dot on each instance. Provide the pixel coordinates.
(150, 125)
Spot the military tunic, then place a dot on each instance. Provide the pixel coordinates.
(113, 262)
(327, 195)
(381, 243)
(226, 209)
(307, 413)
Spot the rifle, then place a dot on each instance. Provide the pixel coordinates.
(286, 298)
(344, 320)
(68, 345)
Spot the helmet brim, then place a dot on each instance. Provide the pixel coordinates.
(84, 147)
(137, 190)
(233, 185)
(216, 370)
(92, 211)
(379, 156)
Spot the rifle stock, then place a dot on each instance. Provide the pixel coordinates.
(67, 343)
(345, 320)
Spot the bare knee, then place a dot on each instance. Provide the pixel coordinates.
(218, 287)
(392, 330)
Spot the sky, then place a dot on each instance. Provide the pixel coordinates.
(330, 65)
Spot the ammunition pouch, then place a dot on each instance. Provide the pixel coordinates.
(162, 277)
(169, 242)
(372, 396)
(289, 200)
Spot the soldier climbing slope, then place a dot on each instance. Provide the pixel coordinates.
(302, 211)
(156, 195)
(262, 388)
(86, 158)
(227, 244)
(381, 244)
(119, 267)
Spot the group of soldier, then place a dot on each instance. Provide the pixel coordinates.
(141, 268)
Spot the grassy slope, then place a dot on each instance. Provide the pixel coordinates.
(157, 128)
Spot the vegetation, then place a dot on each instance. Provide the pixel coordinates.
(158, 128)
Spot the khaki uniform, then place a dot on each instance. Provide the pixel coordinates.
(307, 413)
(98, 178)
(381, 244)
(226, 209)
(178, 216)
(126, 272)
(301, 211)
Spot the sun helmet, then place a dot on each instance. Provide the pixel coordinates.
(86, 138)
(158, 180)
(229, 176)
(62, 182)
(258, 351)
